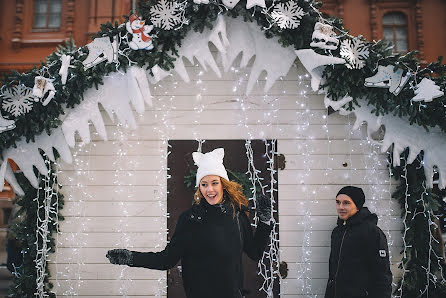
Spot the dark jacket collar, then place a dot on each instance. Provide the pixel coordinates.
(362, 215)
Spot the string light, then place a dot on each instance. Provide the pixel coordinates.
(45, 208)
(269, 263)
(57, 240)
(304, 272)
(164, 131)
(254, 178)
(406, 228)
(199, 106)
(121, 142)
(431, 218)
(74, 239)
(271, 256)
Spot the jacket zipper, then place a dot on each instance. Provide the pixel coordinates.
(339, 260)
(241, 242)
(239, 230)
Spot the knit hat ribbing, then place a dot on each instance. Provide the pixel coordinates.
(210, 163)
(355, 193)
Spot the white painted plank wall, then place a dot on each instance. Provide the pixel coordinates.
(115, 190)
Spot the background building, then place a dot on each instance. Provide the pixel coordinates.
(31, 29)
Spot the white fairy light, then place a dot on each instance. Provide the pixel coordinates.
(42, 226)
(121, 142)
(406, 228)
(303, 117)
(57, 240)
(431, 278)
(75, 239)
(390, 212)
(199, 106)
(254, 178)
(164, 131)
(431, 221)
(268, 265)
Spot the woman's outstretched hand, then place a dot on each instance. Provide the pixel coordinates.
(120, 256)
(263, 208)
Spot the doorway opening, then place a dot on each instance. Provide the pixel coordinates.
(181, 191)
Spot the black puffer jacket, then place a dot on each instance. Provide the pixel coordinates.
(359, 259)
(209, 240)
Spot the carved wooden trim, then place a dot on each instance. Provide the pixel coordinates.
(18, 23)
(334, 7)
(69, 18)
(373, 20)
(419, 26)
(340, 9)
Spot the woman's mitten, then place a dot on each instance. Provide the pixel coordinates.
(263, 208)
(120, 256)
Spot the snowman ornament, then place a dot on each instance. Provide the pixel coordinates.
(141, 39)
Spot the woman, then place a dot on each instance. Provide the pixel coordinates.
(209, 237)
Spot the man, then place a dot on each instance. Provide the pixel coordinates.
(359, 258)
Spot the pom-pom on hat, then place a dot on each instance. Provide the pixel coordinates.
(210, 163)
(355, 193)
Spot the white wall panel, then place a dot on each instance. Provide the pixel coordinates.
(115, 189)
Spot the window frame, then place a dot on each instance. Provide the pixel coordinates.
(25, 35)
(411, 9)
(394, 27)
(47, 14)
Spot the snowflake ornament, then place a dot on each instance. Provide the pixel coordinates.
(355, 52)
(18, 100)
(287, 15)
(168, 14)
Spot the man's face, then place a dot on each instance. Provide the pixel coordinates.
(345, 207)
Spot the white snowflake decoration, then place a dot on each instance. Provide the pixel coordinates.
(355, 52)
(167, 14)
(287, 15)
(18, 100)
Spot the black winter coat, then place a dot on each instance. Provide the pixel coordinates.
(209, 240)
(359, 259)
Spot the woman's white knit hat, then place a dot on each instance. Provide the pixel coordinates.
(210, 163)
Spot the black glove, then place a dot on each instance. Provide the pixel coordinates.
(120, 256)
(263, 208)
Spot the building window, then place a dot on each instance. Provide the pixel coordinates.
(47, 14)
(395, 30)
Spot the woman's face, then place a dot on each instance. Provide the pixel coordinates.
(211, 189)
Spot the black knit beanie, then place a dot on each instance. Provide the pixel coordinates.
(355, 193)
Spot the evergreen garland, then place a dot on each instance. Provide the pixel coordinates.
(339, 82)
(421, 221)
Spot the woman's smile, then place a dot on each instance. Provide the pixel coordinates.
(212, 189)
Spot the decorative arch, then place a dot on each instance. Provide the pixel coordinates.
(356, 76)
